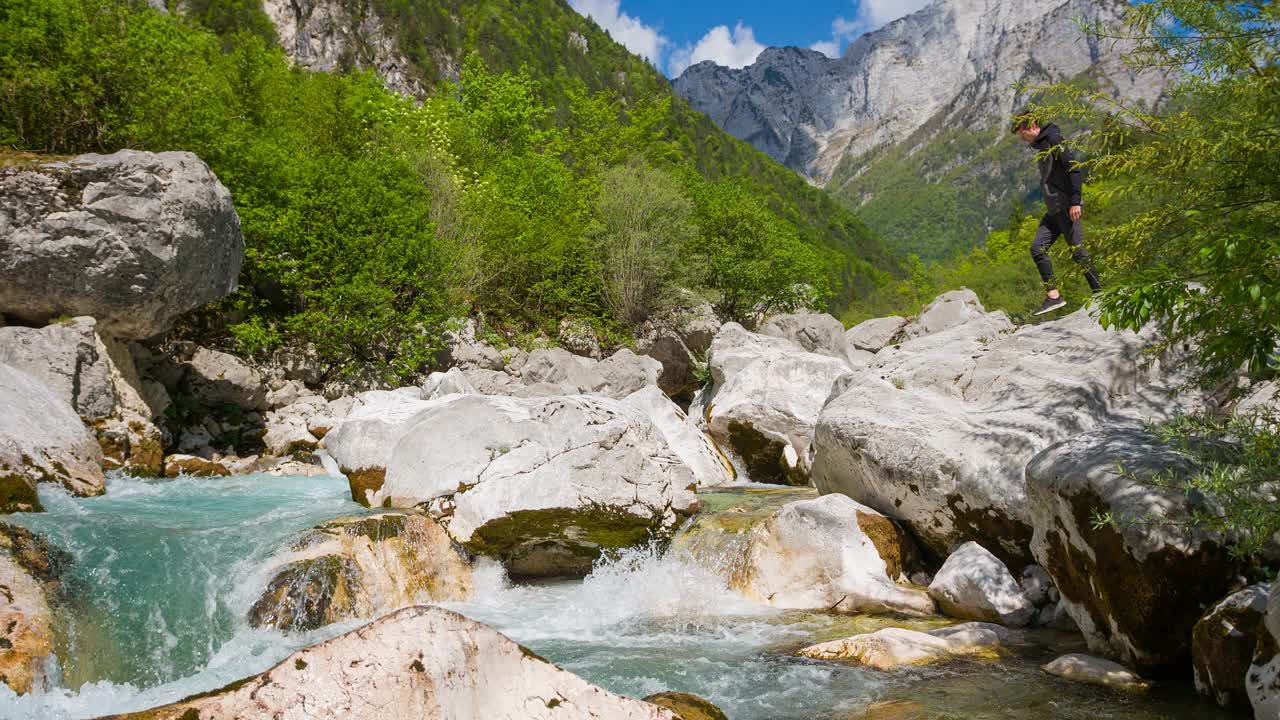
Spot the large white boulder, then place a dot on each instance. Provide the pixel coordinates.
(1135, 587)
(133, 239)
(974, 585)
(1223, 643)
(828, 553)
(765, 400)
(937, 431)
(42, 440)
(64, 356)
(687, 440)
(1263, 680)
(217, 378)
(419, 663)
(545, 484)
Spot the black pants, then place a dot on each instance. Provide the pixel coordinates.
(1053, 225)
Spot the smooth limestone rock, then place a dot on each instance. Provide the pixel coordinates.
(544, 484)
(875, 334)
(709, 465)
(766, 397)
(1096, 671)
(948, 310)
(29, 590)
(1222, 645)
(829, 553)
(815, 332)
(133, 239)
(419, 663)
(1137, 589)
(42, 440)
(364, 436)
(686, 706)
(1263, 680)
(891, 648)
(453, 382)
(359, 568)
(678, 377)
(936, 431)
(974, 585)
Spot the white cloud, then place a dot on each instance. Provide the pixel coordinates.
(871, 15)
(830, 48)
(731, 48)
(643, 40)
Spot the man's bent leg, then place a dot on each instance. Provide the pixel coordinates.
(1075, 238)
(1046, 234)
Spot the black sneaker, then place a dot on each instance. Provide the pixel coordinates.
(1051, 304)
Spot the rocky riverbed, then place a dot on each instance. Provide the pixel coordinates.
(889, 521)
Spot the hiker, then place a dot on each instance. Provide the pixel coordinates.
(1062, 183)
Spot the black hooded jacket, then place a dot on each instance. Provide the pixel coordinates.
(1061, 180)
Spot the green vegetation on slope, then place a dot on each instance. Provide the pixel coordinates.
(371, 219)
(568, 54)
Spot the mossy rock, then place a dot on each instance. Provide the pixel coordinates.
(562, 542)
(18, 493)
(686, 706)
(308, 594)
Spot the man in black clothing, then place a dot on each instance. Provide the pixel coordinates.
(1062, 183)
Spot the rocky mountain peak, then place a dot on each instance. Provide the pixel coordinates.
(957, 57)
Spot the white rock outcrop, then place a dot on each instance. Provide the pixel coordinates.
(1263, 680)
(765, 400)
(693, 446)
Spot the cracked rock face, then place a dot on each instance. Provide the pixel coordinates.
(952, 58)
(420, 663)
(937, 430)
(545, 484)
(133, 239)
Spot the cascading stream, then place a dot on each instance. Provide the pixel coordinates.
(165, 571)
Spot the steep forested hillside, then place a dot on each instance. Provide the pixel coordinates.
(545, 195)
(565, 53)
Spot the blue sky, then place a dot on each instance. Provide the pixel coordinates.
(675, 34)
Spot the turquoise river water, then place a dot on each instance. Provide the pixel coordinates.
(163, 573)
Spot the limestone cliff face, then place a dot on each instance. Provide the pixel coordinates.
(328, 35)
(957, 59)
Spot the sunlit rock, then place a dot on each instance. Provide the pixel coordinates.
(1096, 671)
